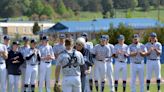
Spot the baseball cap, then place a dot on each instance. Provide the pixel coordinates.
(6, 37)
(33, 41)
(25, 38)
(136, 36)
(107, 37)
(84, 34)
(62, 36)
(103, 37)
(16, 43)
(153, 34)
(120, 37)
(45, 38)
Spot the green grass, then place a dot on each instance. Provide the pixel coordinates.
(153, 87)
(119, 14)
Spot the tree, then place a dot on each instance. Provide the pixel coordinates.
(94, 5)
(47, 10)
(72, 4)
(154, 3)
(144, 4)
(61, 9)
(36, 7)
(107, 6)
(162, 2)
(36, 28)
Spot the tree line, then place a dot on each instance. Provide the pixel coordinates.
(45, 9)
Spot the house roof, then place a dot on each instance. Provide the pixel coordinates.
(104, 24)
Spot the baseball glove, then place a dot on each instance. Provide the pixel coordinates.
(57, 88)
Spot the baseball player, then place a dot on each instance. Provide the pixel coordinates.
(89, 46)
(59, 47)
(6, 39)
(47, 55)
(120, 55)
(32, 58)
(86, 68)
(153, 60)
(69, 61)
(3, 56)
(14, 61)
(24, 50)
(110, 65)
(137, 51)
(101, 53)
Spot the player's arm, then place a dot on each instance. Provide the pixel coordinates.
(143, 51)
(159, 50)
(4, 53)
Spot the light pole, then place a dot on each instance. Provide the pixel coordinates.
(158, 10)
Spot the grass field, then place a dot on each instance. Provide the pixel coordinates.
(153, 86)
(119, 14)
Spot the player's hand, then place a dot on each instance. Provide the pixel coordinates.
(15, 58)
(16, 61)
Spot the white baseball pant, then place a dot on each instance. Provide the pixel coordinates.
(119, 66)
(137, 69)
(13, 83)
(45, 72)
(31, 74)
(71, 84)
(110, 75)
(3, 77)
(153, 65)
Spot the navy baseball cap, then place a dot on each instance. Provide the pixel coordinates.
(107, 37)
(6, 37)
(62, 36)
(33, 41)
(84, 34)
(25, 38)
(153, 34)
(103, 37)
(45, 38)
(16, 43)
(120, 37)
(136, 36)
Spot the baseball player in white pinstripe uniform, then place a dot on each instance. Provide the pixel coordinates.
(59, 47)
(47, 55)
(3, 56)
(101, 52)
(137, 51)
(69, 61)
(153, 60)
(110, 65)
(120, 55)
(24, 50)
(33, 58)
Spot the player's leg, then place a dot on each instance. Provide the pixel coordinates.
(141, 77)
(23, 69)
(76, 85)
(133, 75)
(91, 79)
(103, 71)
(116, 75)
(149, 69)
(158, 73)
(42, 76)
(3, 78)
(96, 75)
(48, 78)
(11, 83)
(27, 78)
(110, 75)
(33, 78)
(16, 83)
(66, 84)
(124, 76)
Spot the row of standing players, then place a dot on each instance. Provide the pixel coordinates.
(26, 59)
